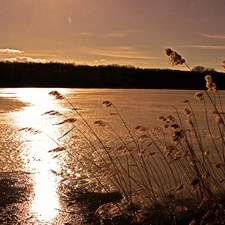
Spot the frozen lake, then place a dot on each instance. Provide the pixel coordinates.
(33, 151)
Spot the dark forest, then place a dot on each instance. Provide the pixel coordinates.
(110, 76)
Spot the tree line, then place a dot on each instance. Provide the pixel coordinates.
(53, 74)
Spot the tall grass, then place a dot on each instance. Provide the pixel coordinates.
(168, 174)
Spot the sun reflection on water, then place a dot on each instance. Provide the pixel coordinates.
(45, 203)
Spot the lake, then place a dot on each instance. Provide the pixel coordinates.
(31, 139)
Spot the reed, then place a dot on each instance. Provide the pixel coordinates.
(170, 174)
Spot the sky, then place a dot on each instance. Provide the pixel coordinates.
(106, 32)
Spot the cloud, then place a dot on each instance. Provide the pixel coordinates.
(215, 47)
(10, 51)
(102, 61)
(115, 35)
(25, 59)
(121, 52)
(213, 36)
(121, 34)
(85, 34)
(195, 3)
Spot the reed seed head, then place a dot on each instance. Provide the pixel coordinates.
(205, 175)
(100, 123)
(179, 154)
(143, 138)
(128, 150)
(209, 83)
(56, 94)
(217, 165)
(199, 96)
(141, 128)
(169, 119)
(166, 125)
(223, 65)
(207, 152)
(69, 120)
(177, 136)
(168, 148)
(162, 118)
(30, 130)
(173, 57)
(218, 118)
(168, 51)
(107, 103)
(57, 149)
(189, 122)
(169, 156)
(187, 112)
(195, 182)
(52, 113)
(157, 129)
(145, 152)
(175, 126)
(142, 151)
(194, 161)
(151, 153)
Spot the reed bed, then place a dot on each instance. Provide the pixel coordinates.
(169, 174)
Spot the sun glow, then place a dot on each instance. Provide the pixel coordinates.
(35, 96)
(38, 102)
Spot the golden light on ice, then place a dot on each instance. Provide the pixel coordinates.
(40, 102)
(45, 204)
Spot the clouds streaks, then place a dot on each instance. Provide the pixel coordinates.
(121, 52)
(213, 47)
(24, 59)
(214, 36)
(11, 51)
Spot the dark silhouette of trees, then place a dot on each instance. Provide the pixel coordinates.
(199, 69)
(202, 69)
(54, 74)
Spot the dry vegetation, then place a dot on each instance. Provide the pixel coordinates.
(166, 174)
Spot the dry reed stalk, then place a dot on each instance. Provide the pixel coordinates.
(154, 170)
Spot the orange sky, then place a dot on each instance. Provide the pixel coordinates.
(124, 32)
